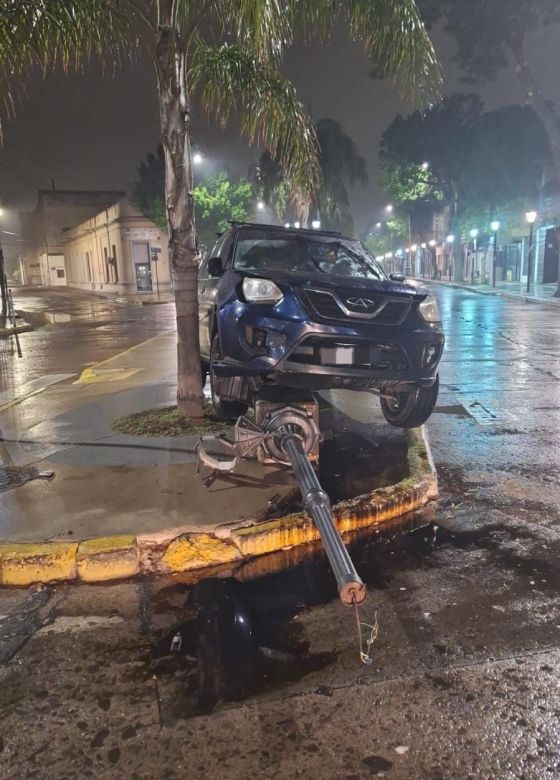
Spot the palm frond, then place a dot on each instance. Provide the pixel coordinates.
(45, 34)
(227, 78)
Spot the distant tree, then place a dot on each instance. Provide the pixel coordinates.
(342, 167)
(149, 190)
(478, 163)
(492, 34)
(217, 199)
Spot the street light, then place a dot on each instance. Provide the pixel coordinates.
(433, 242)
(389, 208)
(494, 226)
(260, 205)
(316, 224)
(474, 236)
(197, 158)
(287, 225)
(531, 217)
(296, 225)
(425, 166)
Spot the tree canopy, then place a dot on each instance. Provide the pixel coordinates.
(457, 155)
(218, 198)
(341, 167)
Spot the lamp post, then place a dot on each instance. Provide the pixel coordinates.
(531, 217)
(474, 236)
(390, 208)
(495, 226)
(451, 241)
(3, 285)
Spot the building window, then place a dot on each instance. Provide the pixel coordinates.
(115, 266)
(60, 273)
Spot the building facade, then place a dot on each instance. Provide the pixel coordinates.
(117, 250)
(43, 231)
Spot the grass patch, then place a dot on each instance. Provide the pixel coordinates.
(168, 422)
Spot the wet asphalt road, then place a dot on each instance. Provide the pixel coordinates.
(74, 330)
(256, 670)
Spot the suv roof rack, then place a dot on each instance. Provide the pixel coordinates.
(237, 223)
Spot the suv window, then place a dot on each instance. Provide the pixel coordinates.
(264, 252)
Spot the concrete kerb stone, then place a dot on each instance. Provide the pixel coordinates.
(176, 551)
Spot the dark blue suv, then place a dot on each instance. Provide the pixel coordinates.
(311, 309)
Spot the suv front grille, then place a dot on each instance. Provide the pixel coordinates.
(363, 305)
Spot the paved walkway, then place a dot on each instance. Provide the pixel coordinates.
(106, 483)
(540, 293)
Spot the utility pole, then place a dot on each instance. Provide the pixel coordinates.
(495, 227)
(531, 217)
(3, 285)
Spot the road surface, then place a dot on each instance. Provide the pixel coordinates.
(260, 676)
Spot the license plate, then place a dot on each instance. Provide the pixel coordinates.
(337, 356)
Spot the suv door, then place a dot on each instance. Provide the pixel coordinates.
(207, 292)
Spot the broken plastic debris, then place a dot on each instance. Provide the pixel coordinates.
(401, 749)
(45, 475)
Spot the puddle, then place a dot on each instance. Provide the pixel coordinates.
(245, 636)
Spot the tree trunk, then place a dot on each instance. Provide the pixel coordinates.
(179, 200)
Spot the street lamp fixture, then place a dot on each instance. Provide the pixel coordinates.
(425, 166)
(474, 233)
(450, 239)
(531, 217)
(388, 256)
(378, 225)
(296, 225)
(316, 224)
(389, 208)
(423, 245)
(260, 205)
(495, 226)
(413, 248)
(433, 242)
(197, 158)
(287, 225)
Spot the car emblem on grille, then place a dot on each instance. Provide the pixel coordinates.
(360, 303)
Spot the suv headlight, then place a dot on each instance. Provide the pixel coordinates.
(261, 291)
(429, 309)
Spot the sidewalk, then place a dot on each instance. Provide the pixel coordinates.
(139, 497)
(540, 293)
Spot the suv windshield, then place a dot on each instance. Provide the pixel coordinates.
(265, 252)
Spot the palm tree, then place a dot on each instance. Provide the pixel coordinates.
(226, 53)
(341, 167)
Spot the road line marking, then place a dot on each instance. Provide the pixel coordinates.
(88, 374)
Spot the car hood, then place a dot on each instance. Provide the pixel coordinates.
(326, 282)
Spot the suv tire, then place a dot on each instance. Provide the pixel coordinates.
(412, 409)
(225, 410)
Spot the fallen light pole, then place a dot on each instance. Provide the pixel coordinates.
(289, 434)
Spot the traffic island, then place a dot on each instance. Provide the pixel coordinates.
(373, 473)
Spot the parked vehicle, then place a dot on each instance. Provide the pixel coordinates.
(313, 310)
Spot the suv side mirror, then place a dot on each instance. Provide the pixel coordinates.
(397, 277)
(215, 266)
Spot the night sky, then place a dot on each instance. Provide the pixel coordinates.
(91, 131)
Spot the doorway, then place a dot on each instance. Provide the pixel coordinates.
(550, 265)
(141, 260)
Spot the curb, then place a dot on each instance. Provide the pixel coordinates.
(502, 293)
(175, 551)
(23, 327)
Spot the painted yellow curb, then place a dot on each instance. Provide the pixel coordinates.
(107, 558)
(176, 551)
(196, 551)
(28, 562)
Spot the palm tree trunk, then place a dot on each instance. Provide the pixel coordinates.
(175, 123)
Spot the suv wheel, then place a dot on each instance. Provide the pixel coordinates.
(411, 409)
(225, 410)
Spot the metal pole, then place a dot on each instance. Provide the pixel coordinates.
(494, 258)
(3, 290)
(530, 260)
(473, 260)
(157, 280)
(316, 503)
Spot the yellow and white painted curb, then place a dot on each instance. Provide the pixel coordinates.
(179, 550)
